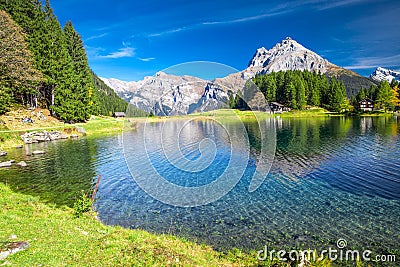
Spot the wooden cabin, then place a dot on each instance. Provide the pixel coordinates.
(119, 115)
(278, 107)
(366, 104)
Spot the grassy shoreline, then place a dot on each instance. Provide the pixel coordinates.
(57, 238)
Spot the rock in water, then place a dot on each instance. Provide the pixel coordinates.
(38, 152)
(6, 164)
(3, 153)
(22, 164)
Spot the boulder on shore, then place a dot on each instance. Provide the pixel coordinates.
(80, 130)
(22, 164)
(43, 136)
(12, 248)
(6, 164)
(3, 153)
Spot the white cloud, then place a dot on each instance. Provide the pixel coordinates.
(122, 52)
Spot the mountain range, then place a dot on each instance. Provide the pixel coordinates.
(167, 94)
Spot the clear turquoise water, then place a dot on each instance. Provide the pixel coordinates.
(332, 178)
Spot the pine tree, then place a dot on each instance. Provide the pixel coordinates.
(84, 83)
(67, 88)
(300, 93)
(336, 94)
(291, 95)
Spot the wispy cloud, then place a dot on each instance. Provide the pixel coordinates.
(96, 36)
(246, 19)
(211, 23)
(334, 4)
(170, 31)
(146, 59)
(121, 53)
(273, 11)
(373, 62)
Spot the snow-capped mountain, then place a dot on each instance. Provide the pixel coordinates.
(166, 94)
(381, 74)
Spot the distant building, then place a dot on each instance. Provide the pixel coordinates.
(277, 107)
(366, 104)
(119, 115)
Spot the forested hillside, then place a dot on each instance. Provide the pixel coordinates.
(45, 65)
(297, 89)
(112, 102)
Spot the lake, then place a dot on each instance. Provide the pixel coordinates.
(332, 178)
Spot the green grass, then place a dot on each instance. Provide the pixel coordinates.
(316, 112)
(9, 139)
(102, 126)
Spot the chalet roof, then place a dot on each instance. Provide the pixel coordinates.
(366, 99)
(277, 104)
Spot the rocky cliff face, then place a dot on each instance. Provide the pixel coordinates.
(165, 94)
(288, 55)
(381, 74)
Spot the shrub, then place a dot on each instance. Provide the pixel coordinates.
(82, 205)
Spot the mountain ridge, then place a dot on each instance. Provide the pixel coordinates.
(381, 74)
(207, 95)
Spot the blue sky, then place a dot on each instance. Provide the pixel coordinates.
(128, 40)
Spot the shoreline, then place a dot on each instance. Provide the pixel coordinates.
(103, 126)
(58, 238)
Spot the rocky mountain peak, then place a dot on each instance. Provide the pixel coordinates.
(287, 55)
(381, 74)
